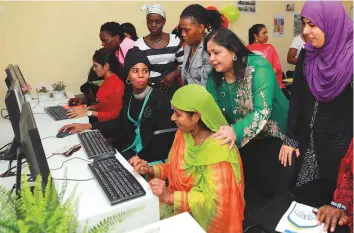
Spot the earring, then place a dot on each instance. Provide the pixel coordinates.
(127, 81)
(234, 58)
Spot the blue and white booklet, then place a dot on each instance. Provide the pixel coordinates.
(299, 218)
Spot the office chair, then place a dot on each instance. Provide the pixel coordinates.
(159, 145)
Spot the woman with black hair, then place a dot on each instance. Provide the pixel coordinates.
(258, 38)
(109, 96)
(112, 36)
(129, 31)
(195, 21)
(244, 86)
(88, 89)
(145, 111)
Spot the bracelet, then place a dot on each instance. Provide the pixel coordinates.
(339, 205)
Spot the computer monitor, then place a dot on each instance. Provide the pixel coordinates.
(10, 75)
(31, 145)
(19, 75)
(13, 102)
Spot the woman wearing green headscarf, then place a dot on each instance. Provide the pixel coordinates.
(205, 178)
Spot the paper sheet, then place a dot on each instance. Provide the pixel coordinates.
(299, 218)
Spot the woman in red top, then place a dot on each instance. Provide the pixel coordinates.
(110, 95)
(341, 209)
(258, 38)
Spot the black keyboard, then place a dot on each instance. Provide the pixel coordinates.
(57, 112)
(116, 181)
(95, 144)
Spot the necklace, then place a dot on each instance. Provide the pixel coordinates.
(143, 94)
(194, 50)
(206, 136)
(155, 41)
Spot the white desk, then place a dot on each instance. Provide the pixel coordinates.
(93, 205)
(41, 116)
(180, 223)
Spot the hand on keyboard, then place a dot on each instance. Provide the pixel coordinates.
(140, 166)
(75, 128)
(77, 112)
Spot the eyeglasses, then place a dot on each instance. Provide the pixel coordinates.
(70, 151)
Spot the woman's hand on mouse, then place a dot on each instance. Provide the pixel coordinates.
(75, 128)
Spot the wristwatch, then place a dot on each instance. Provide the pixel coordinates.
(89, 113)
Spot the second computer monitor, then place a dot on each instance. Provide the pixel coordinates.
(13, 102)
(31, 145)
(10, 75)
(20, 77)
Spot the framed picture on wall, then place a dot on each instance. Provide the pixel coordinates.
(289, 6)
(248, 6)
(278, 25)
(297, 24)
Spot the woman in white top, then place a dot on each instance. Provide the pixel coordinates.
(295, 48)
(164, 51)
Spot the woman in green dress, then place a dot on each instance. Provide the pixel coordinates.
(245, 87)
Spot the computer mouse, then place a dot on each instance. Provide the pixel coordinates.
(63, 134)
(73, 102)
(104, 156)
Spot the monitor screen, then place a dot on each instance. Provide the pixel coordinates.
(10, 75)
(31, 144)
(18, 93)
(19, 76)
(14, 106)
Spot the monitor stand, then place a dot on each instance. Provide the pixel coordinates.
(20, 157)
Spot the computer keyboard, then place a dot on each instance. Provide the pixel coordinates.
(116, 181)
(57, 112)
(95, 144)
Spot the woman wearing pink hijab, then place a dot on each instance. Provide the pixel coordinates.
(320, 120)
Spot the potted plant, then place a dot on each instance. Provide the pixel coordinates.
(44, 211)
(43, 92)
(58, 90)
(26, 91)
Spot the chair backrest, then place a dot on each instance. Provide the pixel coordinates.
(159, 145)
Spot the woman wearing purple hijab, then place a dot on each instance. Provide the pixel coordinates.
(320, 119)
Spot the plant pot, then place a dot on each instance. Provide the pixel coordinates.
(59, 95)
(28, 97)
(42, 97)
